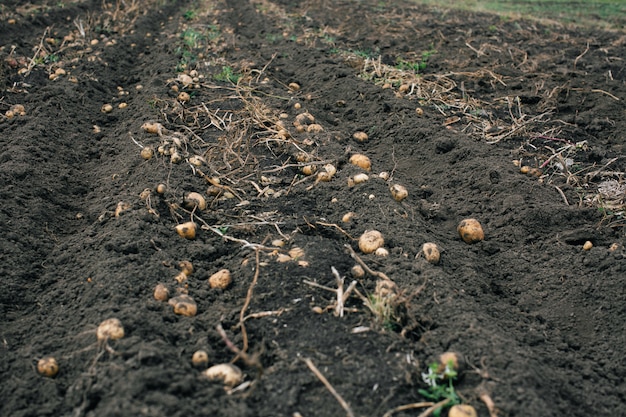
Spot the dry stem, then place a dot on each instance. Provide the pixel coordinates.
(329, 387)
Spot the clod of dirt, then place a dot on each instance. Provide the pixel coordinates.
(184, 305)
(186, 230)
(462, 410)
(360, 136)
(200, 359)
(161, 293)
(431, 252)
(361, 161)
(194, 200)
(48, 366)
(221, 279)
(470, 231)
(121, 207)
(110, 329)
(228, 373)
(398, 192)
(370, 241)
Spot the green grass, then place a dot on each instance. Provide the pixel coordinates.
(605, 13)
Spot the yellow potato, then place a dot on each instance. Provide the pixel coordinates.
(470, 231)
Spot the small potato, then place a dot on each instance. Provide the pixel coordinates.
(110, 329)
(184, 305)
(184, 97)
(357, 271)
(147, 152)
(358, 179)
(106, 108)
(370, 241)
(314, 128)
(186, 230)
(186, 267)
(161, 188)
(200, 359)
(153, 127)
(588, 245)
(385, 288)
(454, 359)
(361, 161)
(398, 192)
(48, 366)
(294, 86)
(309, 170)
(304, 119)
(360, 136)
(221, 279)
(431, 252)
(161, 293)
(462, 410)
(228, 373)
(348, 217)
(193, 200)
(382, 252)
(470, 231)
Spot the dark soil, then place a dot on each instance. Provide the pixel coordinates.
(539, 320)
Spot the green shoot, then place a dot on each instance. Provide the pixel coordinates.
(440, 385)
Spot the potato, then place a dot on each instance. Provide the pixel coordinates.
(357, 271)
(161, 188)
(398, 192)
(470, 231)
(431, 252)
(184, 305)
(147, 152)
(221, 279)
(161, 293)
(200, 359)
(106, 108)
(358, 179)
(315, 128)
(48, 366)
(588, 245)
(451, 358)
(186, 230)
(186, 267)
(462, 410)
(184, 97)
(110, 329)
(193, 200)
(228, 373)
(348, 217)
(370, 241)
(360, 136)
(361, 161)
(294, 86)
(153, 127)
(382, 252)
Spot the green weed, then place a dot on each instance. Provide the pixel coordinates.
(227, 74)
(440, 385)
(190, 15)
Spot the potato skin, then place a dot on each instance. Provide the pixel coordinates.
(470, 231)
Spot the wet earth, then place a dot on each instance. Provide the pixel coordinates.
(113, 112)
